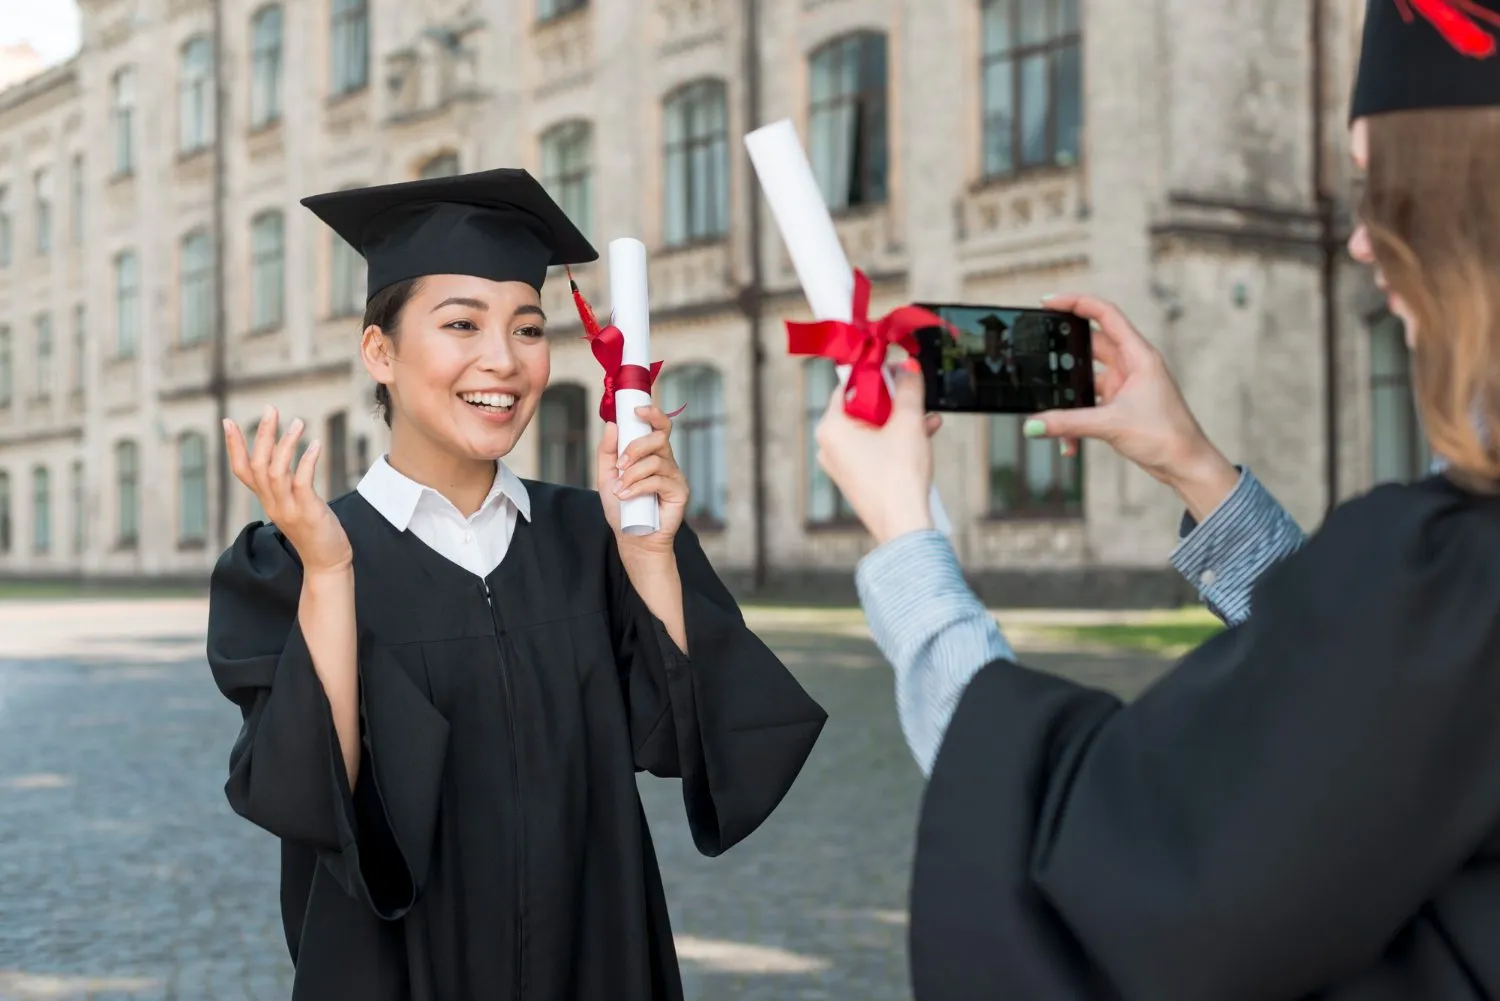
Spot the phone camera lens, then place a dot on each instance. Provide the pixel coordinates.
(1065, 328)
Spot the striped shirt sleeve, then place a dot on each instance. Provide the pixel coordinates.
(928, 623)
(1247, 534)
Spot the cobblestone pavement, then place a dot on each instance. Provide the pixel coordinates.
(123, 874)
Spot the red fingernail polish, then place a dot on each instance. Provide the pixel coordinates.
(912, 365)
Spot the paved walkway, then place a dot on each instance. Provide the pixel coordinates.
(123, 874)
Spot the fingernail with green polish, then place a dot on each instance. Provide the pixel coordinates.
(1062, 449)
(1034, 428)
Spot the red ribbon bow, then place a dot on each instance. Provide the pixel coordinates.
(1455, 21)
(862, 344)
(608, 345)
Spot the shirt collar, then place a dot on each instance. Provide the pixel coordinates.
(396, 495)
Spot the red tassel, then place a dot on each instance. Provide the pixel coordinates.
(1457, 30)
(585, 311)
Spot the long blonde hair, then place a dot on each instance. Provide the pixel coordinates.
(1432, 205)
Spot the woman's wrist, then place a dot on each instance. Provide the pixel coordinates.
(1204, 480)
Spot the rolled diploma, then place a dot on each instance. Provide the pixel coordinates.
(632, 315)
(827, 280)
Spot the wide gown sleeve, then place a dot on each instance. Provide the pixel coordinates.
(728, 718)
(1259, 824)
(286, 770)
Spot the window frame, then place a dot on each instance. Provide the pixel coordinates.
(195, 257)
(1058, 39)
(814, 405)
(348, 47)
(41, 510)
(192, 535)
(872, 104)
(267, 63)
(570, 181)
(127, 530)
(1056, 506)
(267, 265)
(573, 401)
(690, 101)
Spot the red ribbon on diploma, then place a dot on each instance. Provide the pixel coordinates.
(862, 344)
(608, 345)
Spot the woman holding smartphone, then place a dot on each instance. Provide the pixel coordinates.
(1308, 805)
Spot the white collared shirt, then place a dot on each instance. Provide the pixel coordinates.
(477, 543)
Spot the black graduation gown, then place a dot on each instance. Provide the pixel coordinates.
(1307, 806)
(494, 846)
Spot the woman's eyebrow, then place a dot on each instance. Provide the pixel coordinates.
(461, 301)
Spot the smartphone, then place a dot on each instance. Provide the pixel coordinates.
(1006, 360)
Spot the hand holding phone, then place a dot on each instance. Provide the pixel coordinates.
(1005, 360)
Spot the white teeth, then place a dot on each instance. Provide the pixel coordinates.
(501, 400)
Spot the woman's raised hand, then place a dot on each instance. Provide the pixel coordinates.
(1140, 413)
(288, 496)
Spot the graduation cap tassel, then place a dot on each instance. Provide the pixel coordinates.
(1455, 21)
(585, 311)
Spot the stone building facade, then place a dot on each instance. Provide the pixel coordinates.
(156, 270)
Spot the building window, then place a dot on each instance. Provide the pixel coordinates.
(41, 510)
(80, 348)
(442, 165)
(336, 455)
(127, 485)
(76, 177)
(127, 303)
(5, 229)
(265, 67)
(1032, 70)
(192, 488)
(42, 182)
(346, 279)
(546, 10)
(567, 171)
(196, 290)
(696, 192)
(1399, 452)
(44, 355)
(847, 120)
(267, 270)
(1028, 476)
(4, 512)
(563, 428)
(350, 58)
(195, 96)
(825, 502)
(7, 367)
(122, 119)
(698, 437)
(79, 538)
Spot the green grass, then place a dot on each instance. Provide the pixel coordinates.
(70, 591)
(1169, 639)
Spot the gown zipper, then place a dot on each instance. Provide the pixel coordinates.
(515, 771)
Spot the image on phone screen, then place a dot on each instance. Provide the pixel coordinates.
(1006, 361)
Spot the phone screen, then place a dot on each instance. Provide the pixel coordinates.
(1006, 361)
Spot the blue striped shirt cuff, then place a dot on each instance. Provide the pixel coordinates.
(928, 623)
(1247, 534)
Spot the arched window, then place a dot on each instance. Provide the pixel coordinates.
(568, 170)
(1029, 475)
(41, 510)
(196, 292)
(192, 488)
(695, 189)
(349, 37)
(825, 502)
(1399, 452)
(846, 120)
(127, 303)
(4, 512)
(442, 165)
(265, 66)
(195, 96)
(1032, 70)
(698, 436)
(122, 119)
(127, 495)
(562, 420)
(267, 270)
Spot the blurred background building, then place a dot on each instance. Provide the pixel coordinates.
(1187, 159)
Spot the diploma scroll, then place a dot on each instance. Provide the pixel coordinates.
(632, 315)
(802, 216)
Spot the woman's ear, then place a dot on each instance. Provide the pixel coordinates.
(376, 350)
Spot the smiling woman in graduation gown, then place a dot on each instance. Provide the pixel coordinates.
(493, 844)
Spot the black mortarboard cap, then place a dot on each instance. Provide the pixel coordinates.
(495, 224)
(1428, 54)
